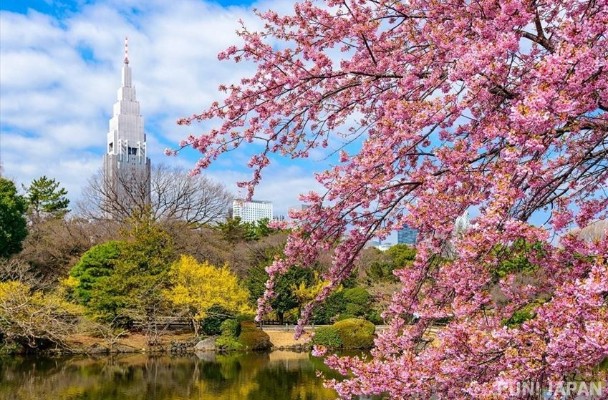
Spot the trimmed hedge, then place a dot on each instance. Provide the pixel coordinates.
(352, 333)
(327, 336)
(355, 333)
(253, 338)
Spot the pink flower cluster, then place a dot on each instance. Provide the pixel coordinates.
(499, 107)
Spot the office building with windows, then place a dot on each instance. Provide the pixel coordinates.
(407, 235)
(252, 211)
(126, 166)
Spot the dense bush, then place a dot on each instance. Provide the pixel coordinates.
(228, 343)
(230, 328)
(215, 316)
(35, 319)
(326, 313)
(357, 295)
(357, 301)
(253, 338)
(327, 336)
(93, 268)
(355, 333)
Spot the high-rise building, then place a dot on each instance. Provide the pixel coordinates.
(251, 211)
(126, 166)
(407, 235)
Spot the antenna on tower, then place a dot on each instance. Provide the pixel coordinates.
(126, 50)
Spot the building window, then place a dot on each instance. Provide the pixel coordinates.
(110, 147)
(132, 151)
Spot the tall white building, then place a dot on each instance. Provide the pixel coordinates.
(126, 165)
(251, 211)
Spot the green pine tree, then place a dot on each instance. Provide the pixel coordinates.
(46, 198)
(13, 225)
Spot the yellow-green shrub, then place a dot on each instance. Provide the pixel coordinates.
(355, 333)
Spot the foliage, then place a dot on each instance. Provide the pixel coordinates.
(197, 287)
(46, 198)
(13, 225)
(327, 336)
(401, 255)
(328, 311)
(253, 338)
(230, 327)
(135, 289)
(34, 319)
(355, 333)
(228, 343)
(307, 292)
(93, 269)
(229, 338)
(286, 298)
(216, 315)
(515, 258)
(427, 110)
(234, 230)
(357, 302)
(524, 314)
(344, 304)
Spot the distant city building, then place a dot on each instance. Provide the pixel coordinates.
(407, 235)
(252, 211)
(126, 166)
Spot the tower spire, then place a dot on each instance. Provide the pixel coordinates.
(126, 49)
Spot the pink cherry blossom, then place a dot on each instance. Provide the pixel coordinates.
(496, 107)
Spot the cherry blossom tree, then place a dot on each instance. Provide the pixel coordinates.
(432, 109)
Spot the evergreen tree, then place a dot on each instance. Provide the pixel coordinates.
(45, 197)
(13, 226)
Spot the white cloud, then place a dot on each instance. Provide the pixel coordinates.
(59, 79)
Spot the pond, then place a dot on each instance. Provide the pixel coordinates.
(254, 376)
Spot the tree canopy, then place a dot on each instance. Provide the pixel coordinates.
(13, 225)
(434, 109)
(46, 198)
(200, 286)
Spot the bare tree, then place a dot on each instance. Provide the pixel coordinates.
(172, 195)
(53, 246)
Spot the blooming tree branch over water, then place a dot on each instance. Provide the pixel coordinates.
(497, 106)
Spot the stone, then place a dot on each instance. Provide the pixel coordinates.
(207, 344)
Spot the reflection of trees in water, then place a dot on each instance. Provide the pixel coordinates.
(245, 376)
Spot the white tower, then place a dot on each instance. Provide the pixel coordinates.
(126, 165)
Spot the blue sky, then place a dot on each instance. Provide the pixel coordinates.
(60, 68)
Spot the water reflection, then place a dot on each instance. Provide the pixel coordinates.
(253, 376)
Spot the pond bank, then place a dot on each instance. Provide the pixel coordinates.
(282, 338)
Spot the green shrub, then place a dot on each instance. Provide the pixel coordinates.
(344, 316)
(357, 295)
(94, 267)
(230, 328)
(228, 343)
(327, 336)
(374, 317)
(245, 317)
(253, 338)
(215, 316)
(326, 313)
(355, 333)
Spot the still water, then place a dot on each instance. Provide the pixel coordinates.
(252, 376)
